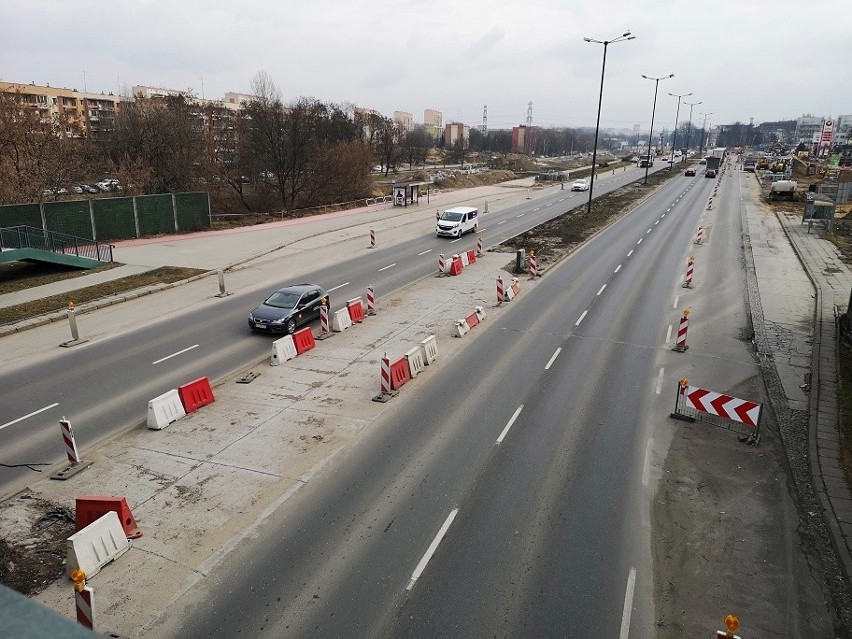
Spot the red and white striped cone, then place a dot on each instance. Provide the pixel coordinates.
(386, 376)
(324, 319)
(699, 236)
(70, 442)
(500, 289)
(479, 245)
(690, 266)
(371, 301)
(372, 238)
(680, 344)
(442, 264)
(533, 265)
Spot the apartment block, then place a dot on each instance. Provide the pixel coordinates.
(404, 120)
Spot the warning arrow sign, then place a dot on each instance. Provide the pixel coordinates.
(733, 408)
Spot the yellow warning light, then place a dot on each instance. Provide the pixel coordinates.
(684, 381)
(532, 252)
(70, 304)
(686, 312)
(691, 258)
(79, 579)
(732, 624)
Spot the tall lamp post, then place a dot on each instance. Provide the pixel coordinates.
(653, 111)
(677, 115)
(689, 129)
(624, 36)
(701, 149)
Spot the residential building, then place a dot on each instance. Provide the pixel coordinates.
(524, 139)
(843, 130)
(808, 129)
(456, 131)
(403, 120)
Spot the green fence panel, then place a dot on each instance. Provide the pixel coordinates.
(156, 216)
(20, 215)
(70, 217)
(193, 211)
(114, 218)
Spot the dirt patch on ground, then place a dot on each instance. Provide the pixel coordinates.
(32, 543)
(18, 276)
(163, 275)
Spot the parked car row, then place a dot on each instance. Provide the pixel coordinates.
(107, 185)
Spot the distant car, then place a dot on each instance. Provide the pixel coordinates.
(710, 173)
(88, 188)
(702, 161)
(690, 172)
(580, 185)
(77, 188)
(288, 308)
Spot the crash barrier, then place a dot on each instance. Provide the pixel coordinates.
(429, 346)
(471, 256)
(195, 394)
(739, 415)
(341, 320)
(415, 360)
(91, 508)
(96, 545)
(355, 307)
(464, 259)
(283, 350)
(165, 409)
(304, 340)
(456, 265)
(463, 326)
(512, 290)
(399, 373)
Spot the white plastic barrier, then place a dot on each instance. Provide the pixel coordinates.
(462, 328)
(415, 360)
(480, 313)
(283, 349)
(464, 259)
(430, 349)
(341, 320)
(164, 410)
(93, 547)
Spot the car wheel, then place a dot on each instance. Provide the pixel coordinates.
(291, 326)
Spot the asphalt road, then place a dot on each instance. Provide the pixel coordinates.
(104, 386)
(505, 497)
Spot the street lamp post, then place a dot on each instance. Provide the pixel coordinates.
(653, 111)
(689, 129)
(677, 115)
(624, 36)
(701, 149)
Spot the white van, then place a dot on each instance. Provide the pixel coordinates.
(457, 221)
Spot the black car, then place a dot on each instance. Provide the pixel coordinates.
(711, 173)
(287, 308)
(690, 171)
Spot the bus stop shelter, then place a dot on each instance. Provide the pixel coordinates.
(405, 193)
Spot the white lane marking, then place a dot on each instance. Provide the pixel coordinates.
(668, 209)
(523, 214)
(455, 240)
(499, 223)
(432, 548)
(659, 381)
(668, 334)
(656, 222)
(617, 269)
(640, 241)
(646, 468)
(577, 323)
(329, 290)
(662, 216)
(424, 252)
(535, 209)
(181, 352)
(628, 605)
(675, 302)
(35, 412)
(553, 358)
(648, 231)
(509, 425)
(630, 253)
(601, 291)
(551, 204)
(384, 268)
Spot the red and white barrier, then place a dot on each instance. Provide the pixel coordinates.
(70, 442)
(324, 328)
(733, 408)
(533, 265)
(385, 384)
(442, 264)
(690, 267)
(479, 245)
(283, 350)
(371, 301)
(699, 236)
(680, 344)
(710, 204)
(463, 326)
(84, 600)
(372, 238)
(500, 289)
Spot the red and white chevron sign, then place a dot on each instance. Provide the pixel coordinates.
(738, 410)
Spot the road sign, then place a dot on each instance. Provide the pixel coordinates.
(738, 410)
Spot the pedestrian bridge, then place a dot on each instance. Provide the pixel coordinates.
(31, 244)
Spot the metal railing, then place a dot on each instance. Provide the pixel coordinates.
(18, 237)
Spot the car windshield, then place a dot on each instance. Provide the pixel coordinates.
(451, 216)
(283, 299)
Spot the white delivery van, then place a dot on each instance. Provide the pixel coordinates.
(457, 221)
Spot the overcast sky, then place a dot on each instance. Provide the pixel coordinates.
(742, 59)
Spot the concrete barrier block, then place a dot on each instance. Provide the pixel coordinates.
(341, 320)
(283, 349)
(415, 360)
(429, 346)
(164, 410)
(96, 545)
